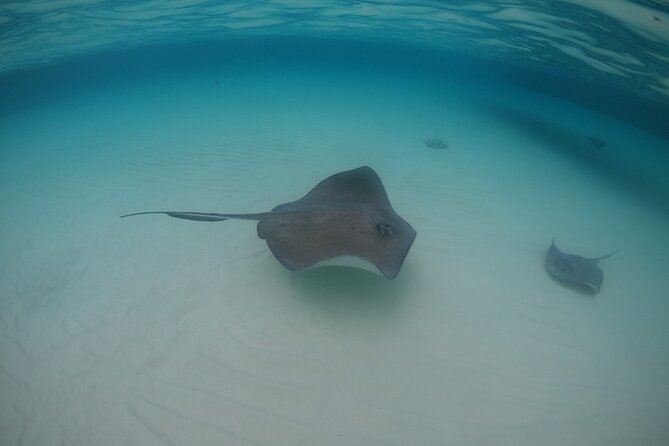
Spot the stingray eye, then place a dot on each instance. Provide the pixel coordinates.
(384, 229)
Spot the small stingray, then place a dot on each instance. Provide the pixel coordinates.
(574, 269)
(435, 143)
(347, 214)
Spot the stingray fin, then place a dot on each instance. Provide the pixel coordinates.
(358, 186)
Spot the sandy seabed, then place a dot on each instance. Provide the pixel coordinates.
(161, 331)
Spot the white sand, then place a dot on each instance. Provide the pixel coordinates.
(160, 331)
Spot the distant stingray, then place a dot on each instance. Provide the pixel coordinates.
(347, 214)
(597, 143)
(574, 269)
(435, 143)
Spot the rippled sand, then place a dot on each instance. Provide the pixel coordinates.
(160, 331)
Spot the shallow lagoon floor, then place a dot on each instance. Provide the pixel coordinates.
(154, 330)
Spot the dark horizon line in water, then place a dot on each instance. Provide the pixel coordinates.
(57, 80)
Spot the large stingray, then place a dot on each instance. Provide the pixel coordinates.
(575, 270)
(347, 214)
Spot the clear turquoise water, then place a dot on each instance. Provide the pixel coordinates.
(161, 331)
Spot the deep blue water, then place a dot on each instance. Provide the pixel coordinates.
(57, 80)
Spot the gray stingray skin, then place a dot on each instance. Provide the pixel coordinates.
(574, 269)
(347, 214)
(435, 143)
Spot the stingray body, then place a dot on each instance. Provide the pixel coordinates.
(347, 214)
(575, 270)
(435, 143)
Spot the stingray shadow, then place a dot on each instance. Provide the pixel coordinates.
(345, 290)
(590, 152)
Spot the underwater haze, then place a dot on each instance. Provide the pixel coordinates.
(495, 127)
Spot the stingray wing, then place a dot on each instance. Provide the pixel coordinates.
(361, 186)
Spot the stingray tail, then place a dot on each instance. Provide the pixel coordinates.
(198, 216)
(604, 257)
(205, 216)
